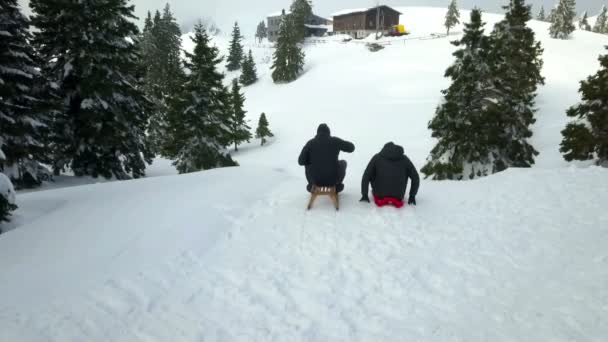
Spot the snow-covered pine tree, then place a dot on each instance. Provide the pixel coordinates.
(198, 130)
(23, 120)
(452, 17)
(587, 137)
(464, 123)
(517, 62)
(601, 22)
(163, 76)
(288, 57)
(563, 22)
(249, 75)
(261, 31)
(301, 10)
(263, 131)
(239, 129)
(541, 14)
(235, 51)
(583, 24)
(89, 50)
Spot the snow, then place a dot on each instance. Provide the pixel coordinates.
(231, 254)
(6, 188)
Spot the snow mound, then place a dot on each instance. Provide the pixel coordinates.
(232, 255)
(6, 189)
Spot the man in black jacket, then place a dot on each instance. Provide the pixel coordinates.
(389, 171)
(320, 157)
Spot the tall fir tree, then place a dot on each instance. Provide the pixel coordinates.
(199, 117)
(452, 17)
(301, 11)
(583, 24)
(102, 116)
(517, 64)
(263, 131)
(587, 137)
(163, 72)
(235, 51)
(288, 57)
(541, 14)
(563, 22)
(249, 75)
(601, 22)
(261, 31)
(464, 124)
(239, 129)
(23, 116)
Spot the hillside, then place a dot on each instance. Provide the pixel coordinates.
(231, 254)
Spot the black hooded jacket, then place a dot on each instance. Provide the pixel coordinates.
(321, 155)
(388, 171)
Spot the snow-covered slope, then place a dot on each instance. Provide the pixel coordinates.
(231, 255)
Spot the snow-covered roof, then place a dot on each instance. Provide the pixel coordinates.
(278, 14)
(357, 10)
(350, 11)
(327, 27)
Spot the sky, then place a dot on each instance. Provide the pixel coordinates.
(249, 12)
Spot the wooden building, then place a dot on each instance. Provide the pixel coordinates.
(360, 23)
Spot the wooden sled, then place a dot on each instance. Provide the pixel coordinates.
(329, 191)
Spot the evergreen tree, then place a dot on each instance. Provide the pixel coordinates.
(301, 11)
(23, 119)
(517, 62)
(288, 57)
(235, 52)
(587, 137)
(239, 129)
(261, 31)
(199, 117)
(163, 72)
(89, 52)
(452, 18)
(601, 22)
(263, 131)
(541, 14)
(563, 22)
(464, 123)
(583, 24)
(249, 75)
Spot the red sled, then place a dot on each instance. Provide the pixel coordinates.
(381, 202)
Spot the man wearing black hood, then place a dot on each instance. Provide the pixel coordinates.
(389, 171)
(320, 157)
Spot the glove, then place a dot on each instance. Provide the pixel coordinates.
(364, 199)
(412, 200)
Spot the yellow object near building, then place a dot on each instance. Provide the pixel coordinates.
(400, 28)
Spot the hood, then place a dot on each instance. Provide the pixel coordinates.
(392, 152)
(323, 130)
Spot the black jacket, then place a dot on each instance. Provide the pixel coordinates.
(388, 171)
(321, 155)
